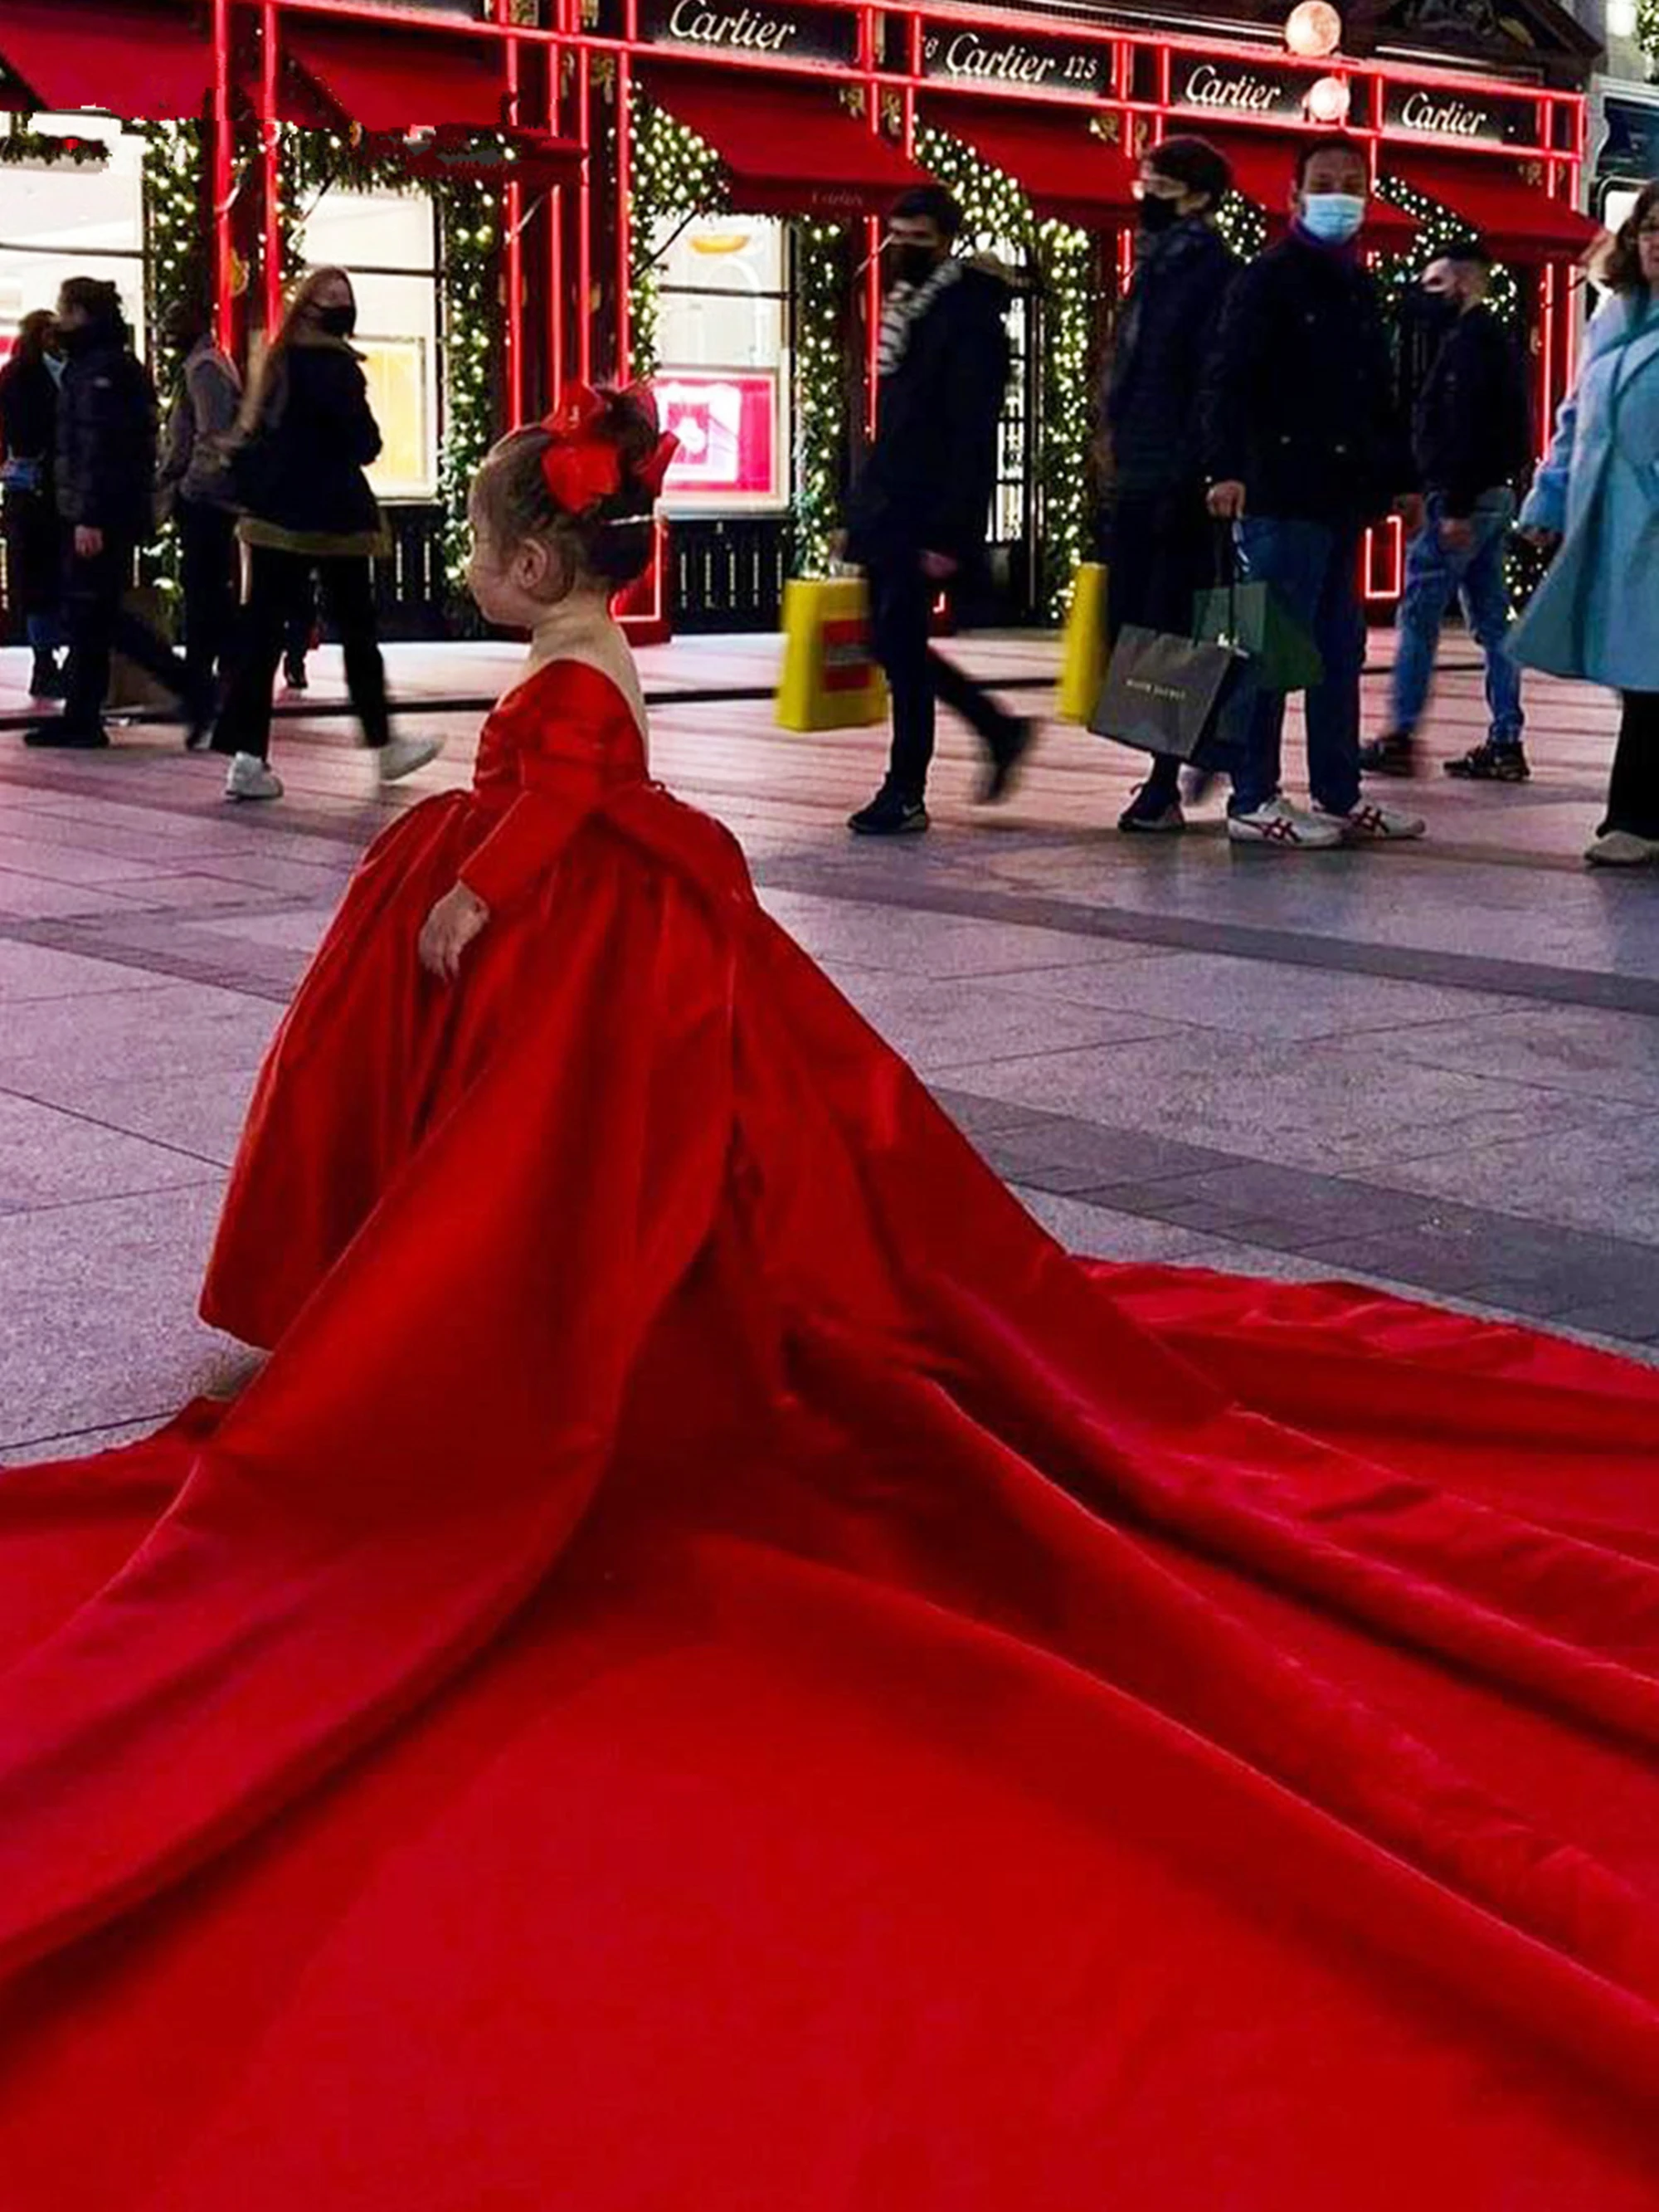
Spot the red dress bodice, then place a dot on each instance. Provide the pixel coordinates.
(557, 745)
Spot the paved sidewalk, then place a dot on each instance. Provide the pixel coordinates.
(1434, 1066)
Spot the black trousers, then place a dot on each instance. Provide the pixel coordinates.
(278, 597)
(209, 572)
(900, 617)
(1160, 551)
(98, 624)
(1633, 786)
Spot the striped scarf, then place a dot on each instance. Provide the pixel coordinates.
(906, 305)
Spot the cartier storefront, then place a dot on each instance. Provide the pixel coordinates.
(692, 190)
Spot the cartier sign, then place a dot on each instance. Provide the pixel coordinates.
(975, 58)
(1438, 112)
(1237, 89)
(776, 31)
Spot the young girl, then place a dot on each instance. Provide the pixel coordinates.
(562, 518)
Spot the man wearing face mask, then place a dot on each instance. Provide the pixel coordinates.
(1157, 532)
(1473, 439)
(917, 515)
(1306, 447)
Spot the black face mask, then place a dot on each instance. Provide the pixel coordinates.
(1437, 311)
(337, 322)
(913, 264)
(1158, 214)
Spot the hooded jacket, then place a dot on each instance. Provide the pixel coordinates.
(106, 430)
(927, 484)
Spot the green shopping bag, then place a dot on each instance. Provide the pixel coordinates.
(1251, 618)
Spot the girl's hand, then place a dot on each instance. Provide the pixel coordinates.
(448, 930)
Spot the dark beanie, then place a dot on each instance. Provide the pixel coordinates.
(1194, 163)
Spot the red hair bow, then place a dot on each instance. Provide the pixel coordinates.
(582, 466)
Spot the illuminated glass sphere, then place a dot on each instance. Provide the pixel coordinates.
(1328, 100)
(1313, 29)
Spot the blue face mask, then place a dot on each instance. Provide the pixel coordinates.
(1333, 217)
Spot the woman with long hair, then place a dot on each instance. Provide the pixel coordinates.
(308, 436)
(35, 540)
(1596, 506)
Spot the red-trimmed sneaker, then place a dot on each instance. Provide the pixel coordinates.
(1366, 824)
(1278, 823)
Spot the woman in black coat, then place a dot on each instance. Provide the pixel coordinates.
(308, 435)
(33, 536)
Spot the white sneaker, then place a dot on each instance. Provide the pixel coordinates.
(400, 756)
(249, 777)
(1279, 823)
(1622, 849)
(1366, 824)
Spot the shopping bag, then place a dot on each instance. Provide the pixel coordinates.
(1082, 660)
(1251, 618)
(1164, 694)
(829, 681)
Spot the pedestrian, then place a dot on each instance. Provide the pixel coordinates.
(1158, 535)
(196, 487)
(297, 641)
(307, 436)
(919, 511)
(1306, 447)
(34, 535)
(105, 484)
(1472, 441)
(1594, 504)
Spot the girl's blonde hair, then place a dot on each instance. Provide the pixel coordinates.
(611, 541)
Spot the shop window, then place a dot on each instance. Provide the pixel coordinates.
(723, 346)
(65, 219)
(387, 243)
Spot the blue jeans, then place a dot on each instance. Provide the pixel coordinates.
(1435, 575)
(1313, 568)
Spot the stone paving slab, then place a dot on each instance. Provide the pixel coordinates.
(1436, 1068)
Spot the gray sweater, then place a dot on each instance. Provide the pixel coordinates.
(199, 424)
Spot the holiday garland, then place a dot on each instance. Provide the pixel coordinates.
(1061, 261)
(42, 149)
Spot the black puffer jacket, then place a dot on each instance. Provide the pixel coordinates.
(1168, 323)
(106, 429)
(1473, 428)
(300, 475)
(1300, 405)
(927, 484)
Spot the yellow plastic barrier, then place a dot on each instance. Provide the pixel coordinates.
(1082, 661)
(828, 680)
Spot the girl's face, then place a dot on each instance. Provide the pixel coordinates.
(513, 589)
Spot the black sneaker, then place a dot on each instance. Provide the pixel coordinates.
(294, 672)
(1008, 749)
(1490, 763)
(1394, 753)
(1151, 813)
(67, 737)
(890, 814)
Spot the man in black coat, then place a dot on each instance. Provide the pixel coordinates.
(918, 513)
(1158, 535)
(1306, 445)
(1473, 438)
(106, 486)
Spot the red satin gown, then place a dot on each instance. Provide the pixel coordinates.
(716, 1667)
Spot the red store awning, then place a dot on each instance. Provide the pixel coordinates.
(790, 148)
(390, 78)
(146, 64)
(1067, 173)
(1264, 165)
(1518, 221)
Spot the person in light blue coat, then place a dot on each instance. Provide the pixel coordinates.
(1594, 504)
